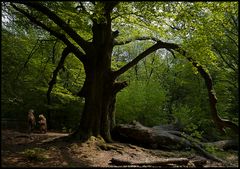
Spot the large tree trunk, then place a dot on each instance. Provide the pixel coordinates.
(95, 118)
(99, 88)
(98, 117)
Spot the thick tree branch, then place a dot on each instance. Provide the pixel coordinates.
(117, 86)
(53, 81)
(150, 50)
(221, 123)
(134, 39)
(61, 23)
(60, 36)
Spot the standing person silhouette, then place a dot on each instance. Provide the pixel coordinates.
(43, 123)
(31, 121)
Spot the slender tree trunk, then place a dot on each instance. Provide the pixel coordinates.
(220, 123)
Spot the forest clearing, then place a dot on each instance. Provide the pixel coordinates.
(18, 150)
(115, 83)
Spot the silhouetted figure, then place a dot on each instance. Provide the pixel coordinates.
(31, 121)
(43, 124)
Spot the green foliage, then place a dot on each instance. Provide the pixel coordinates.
(141, 102)
(26, 72)
(211, 149)
(193, 130)
(35, 154)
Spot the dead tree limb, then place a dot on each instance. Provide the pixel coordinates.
(221, 123)
(163, 162)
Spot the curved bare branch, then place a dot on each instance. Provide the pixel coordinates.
(150, 50)
(220, 123)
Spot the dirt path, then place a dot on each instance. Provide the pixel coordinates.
(22, 150)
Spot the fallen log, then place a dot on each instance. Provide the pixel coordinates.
(163, 162)
(158, 138)
(150, 137)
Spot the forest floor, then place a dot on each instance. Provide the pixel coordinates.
(23, 150)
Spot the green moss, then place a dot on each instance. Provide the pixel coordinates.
(35, 154)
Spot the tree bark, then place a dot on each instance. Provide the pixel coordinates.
(221, 123)
(100, 88)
